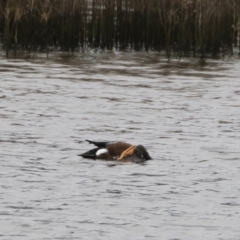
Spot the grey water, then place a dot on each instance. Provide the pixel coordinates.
(186, 113)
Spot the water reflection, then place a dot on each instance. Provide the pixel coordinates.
(186, 115)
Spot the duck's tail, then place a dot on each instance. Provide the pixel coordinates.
(89, 154)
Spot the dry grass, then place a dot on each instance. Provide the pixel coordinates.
(179, 26)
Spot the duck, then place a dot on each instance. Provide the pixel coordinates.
(114, 150)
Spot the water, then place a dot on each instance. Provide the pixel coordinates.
(186, 114)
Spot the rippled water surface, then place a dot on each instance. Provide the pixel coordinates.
(186, 114)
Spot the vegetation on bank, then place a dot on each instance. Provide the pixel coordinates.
(182, 27)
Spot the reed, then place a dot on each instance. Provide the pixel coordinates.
(180, 27)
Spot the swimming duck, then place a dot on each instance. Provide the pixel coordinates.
(120, 151)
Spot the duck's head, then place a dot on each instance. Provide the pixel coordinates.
(141, 152)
